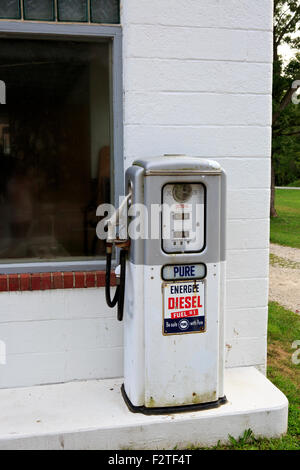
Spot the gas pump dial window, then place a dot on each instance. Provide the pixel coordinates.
(182, 192)
(183, 213)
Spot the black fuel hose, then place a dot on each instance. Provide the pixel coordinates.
(120, 291)
(121, 286)
(110, 303)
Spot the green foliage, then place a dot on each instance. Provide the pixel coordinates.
(286, 19)
(246, 438)
(286, 144)
(295, 184)
(285, 229)
(286, 114)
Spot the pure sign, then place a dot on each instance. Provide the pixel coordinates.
(183, 307)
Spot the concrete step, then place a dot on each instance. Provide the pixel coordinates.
(93, 415)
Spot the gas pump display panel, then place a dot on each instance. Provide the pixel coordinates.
(183, 217)
(183, 307)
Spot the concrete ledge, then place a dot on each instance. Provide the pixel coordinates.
(93, 415)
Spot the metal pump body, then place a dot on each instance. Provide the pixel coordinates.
(175, 286)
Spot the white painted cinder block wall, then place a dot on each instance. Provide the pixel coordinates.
(197, 80)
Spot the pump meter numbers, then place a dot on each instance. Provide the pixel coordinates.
(183, 307)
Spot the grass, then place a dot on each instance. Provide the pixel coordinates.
(283, 262)
(285, 229)
(283, 330)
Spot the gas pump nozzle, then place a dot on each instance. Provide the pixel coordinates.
(117, 235)
(117, 225)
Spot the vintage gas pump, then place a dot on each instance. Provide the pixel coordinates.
(174, 286)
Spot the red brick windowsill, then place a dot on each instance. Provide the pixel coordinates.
(50, 281)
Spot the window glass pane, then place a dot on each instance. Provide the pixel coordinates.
(10, 9)
(39, 10)
(54, 148)
(105, 11)
(72, 10)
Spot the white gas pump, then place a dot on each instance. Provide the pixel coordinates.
(174, 287)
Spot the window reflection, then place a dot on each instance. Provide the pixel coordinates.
(54, 149)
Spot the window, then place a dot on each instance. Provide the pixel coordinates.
(54, 148)
(94, 11)
(60, 143)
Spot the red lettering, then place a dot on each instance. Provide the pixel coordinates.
(185, 313)
(184, 302)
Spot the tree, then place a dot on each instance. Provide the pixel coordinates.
(286, 81)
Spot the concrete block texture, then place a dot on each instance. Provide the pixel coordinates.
(240, 14)
(197, 81)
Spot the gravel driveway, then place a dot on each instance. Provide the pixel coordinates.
(285, 276)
